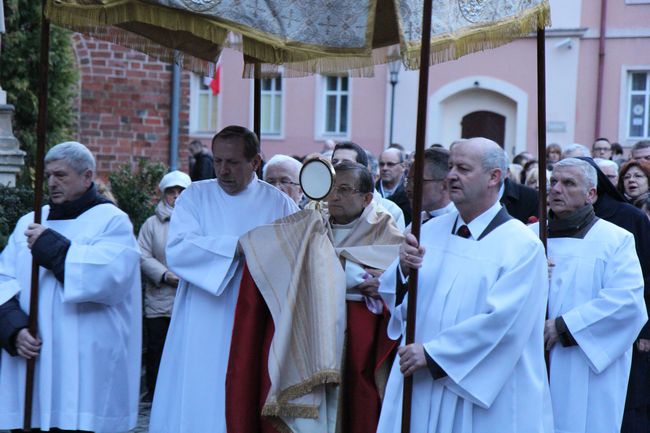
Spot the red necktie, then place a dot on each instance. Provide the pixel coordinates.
(463, 231)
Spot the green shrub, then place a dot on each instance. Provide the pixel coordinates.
(135, 189)
(14, 203)
(19, 75)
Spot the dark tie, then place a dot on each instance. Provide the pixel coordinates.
(463, 231)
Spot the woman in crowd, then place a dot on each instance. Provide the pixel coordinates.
(159, 283)
(633, 181)
(553, 155)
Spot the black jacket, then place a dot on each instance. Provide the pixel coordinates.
(400, 198)
(522, 202)
(203, 167)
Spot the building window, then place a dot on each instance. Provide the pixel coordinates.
(638, 110)
(204, 106)
(335, 106)
(271, 106)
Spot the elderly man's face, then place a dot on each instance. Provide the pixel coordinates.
(641, 154)
(64, 183)
(285, 178)
(468, 181)
(233, 171)
(434, 191)
(569, 191)
(345, 202)
(601, 149)
(610, 172)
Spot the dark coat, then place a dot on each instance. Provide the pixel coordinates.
(522, 202)
(203, 167)
(400, 198)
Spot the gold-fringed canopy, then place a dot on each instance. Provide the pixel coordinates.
(305, 36)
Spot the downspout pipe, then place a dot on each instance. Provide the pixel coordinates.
(601, 67)
(175, 108)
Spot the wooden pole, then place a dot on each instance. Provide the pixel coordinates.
(257, 109)
(541, 132)
(420, 136)
(257, 103)
(41, 128)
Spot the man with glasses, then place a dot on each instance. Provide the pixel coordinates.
(601, 148)
(367, 241)
(435, 192)
(349, 151)
(641, 150)
(390, 184)
(283, 172)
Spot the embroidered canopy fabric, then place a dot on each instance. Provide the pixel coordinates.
(306, 36)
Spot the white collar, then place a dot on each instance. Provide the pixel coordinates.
(443, 210)
(480, 223)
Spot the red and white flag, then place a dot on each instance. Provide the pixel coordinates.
(214, 82)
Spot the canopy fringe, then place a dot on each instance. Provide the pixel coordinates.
(451, 47)
(297, 60)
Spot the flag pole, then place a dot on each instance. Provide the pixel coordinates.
(41, 127)
(420, 136)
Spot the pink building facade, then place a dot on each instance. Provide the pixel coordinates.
(124, 104)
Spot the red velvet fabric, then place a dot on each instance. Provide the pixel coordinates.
(247, 380)
(368, 346)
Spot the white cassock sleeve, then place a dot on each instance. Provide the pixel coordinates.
(9, 286)
(101, 269)
(607, 326)
(205, 261)
(480, 352)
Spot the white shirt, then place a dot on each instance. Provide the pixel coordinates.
(478, 225)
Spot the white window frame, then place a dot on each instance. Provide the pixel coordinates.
(625, 101)
(283, 112)
(321, 108)
(195, 90)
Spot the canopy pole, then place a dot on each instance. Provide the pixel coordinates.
(420, 136)
(257, 102)
(38, 200)
(541, 132)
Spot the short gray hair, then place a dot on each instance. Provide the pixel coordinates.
(588, 171)
(495, 158)
(575, 149)
(606, 163)
(75, 154)
(280, 159)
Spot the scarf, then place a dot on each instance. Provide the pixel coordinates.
(575, 225)
(72, 209)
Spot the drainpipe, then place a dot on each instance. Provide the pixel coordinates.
(601, 67)
(173, 124)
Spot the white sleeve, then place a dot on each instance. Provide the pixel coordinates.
(205, 261)
(104, 269)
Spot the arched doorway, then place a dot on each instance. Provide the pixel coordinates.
(484, 124)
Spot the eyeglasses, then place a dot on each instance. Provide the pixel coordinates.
(411, 180)
(344, 190)
(283, 182)
(634, 176)
(602, 149)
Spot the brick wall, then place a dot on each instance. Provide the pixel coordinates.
(123, 107)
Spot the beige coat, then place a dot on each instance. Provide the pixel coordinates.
(158, 296)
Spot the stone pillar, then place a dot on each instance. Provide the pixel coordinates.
(11, 157)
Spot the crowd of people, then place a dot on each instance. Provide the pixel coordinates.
(264, 312)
